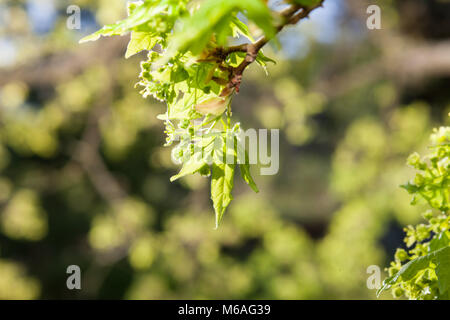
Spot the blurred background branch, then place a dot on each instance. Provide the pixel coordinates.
(87, 154)
(54, 68)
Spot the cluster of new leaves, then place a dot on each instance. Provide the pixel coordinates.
(193, 68)
(423, 272)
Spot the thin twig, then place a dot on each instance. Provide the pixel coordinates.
(291, 15)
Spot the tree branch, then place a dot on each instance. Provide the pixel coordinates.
(291, 16)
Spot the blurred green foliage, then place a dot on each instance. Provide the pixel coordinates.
(83, 179)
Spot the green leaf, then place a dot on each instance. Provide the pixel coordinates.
(443, 270)
(182, 108)
(263, 59)
(410, 270)
(221, 187)
(245, 167)
(210, 143)
(142, 18)
(140, 41)
(191, 166)
(440, 241)
(411, 188)
(178, 75)
(386, 285)
(138, 16)
(240, 28)
(196, 31)
(247, 176)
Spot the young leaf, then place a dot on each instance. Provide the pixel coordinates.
(221, 187)
(410, 270)
(140, 41)
(263, 59)
(440, 241)
(189, 167)
(138, 16)
(197, 30)
(247, 176)
(245, 166)
(240, 28)
(443, 270)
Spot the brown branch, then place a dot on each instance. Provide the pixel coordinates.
(291, 16)
(224, 52)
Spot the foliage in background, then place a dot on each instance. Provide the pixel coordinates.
(423, 272)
